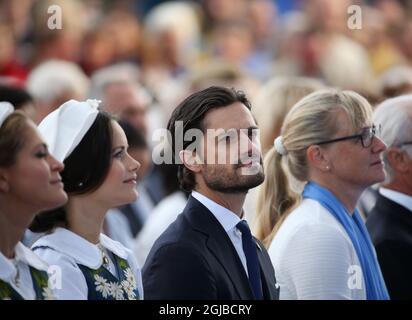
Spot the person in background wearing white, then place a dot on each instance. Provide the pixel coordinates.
(163, 214)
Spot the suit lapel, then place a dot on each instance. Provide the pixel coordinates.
(269, 288)
(388, 205)
(220, 245)
(397, 214)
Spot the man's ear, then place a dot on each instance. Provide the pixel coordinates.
(398, 160)
(4, 182)
(190, 160)
(318, 158)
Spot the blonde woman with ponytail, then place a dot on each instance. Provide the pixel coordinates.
(316, 239)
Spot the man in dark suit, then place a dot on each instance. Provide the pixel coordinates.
(390, 222)
(209, 252)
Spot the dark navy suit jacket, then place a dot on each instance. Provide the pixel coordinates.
(390, 227)
(195, 259)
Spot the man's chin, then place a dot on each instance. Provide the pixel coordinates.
(242, 187)
(259, 178)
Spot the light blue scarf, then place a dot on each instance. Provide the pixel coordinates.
(355, 228)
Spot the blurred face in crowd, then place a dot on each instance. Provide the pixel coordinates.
(119, 187)
(34, 179)
(6, 45)
(233, 42)
(126, 101)
(328, 15)
(263, 15)
(223, 10)
(402, 162)
(399, 159)
(408, 169)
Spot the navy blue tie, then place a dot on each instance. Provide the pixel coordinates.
(253, 267)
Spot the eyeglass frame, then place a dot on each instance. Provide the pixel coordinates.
(374, 129)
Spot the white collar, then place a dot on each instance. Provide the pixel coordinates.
(23, 254)
(400, 198)
(78, 248)
(228, 219)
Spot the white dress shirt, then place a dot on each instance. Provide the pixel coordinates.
(161, 217)
(228, 220)
(143, 206)
(66, 250)
(118, 228)
(314, 258)
(23, 258)
(400, 198)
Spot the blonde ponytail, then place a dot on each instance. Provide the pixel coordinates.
(275, 198)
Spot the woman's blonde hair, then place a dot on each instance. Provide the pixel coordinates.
(311, 120)
(274, 101)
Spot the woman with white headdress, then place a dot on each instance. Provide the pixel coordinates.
(99, 174)
(29, 183)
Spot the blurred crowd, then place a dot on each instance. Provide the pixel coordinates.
(142, 57)
(171, 48)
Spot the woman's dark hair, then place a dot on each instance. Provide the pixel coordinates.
(85, 170)
(135, 138)
(168, 173)
(16, 96)
(191, 112)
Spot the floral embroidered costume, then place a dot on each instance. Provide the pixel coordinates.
(107, 271)
(24, 277)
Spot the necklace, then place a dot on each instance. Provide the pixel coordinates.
(105, 258)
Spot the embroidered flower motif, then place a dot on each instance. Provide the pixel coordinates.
(102, 286)
(94, 103)
(130, 278)
(116, 291)
(48, 294)
(127, 287)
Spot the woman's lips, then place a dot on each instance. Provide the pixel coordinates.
(57, 182)
(132, 180)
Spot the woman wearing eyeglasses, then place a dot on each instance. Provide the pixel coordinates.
(317, 241)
